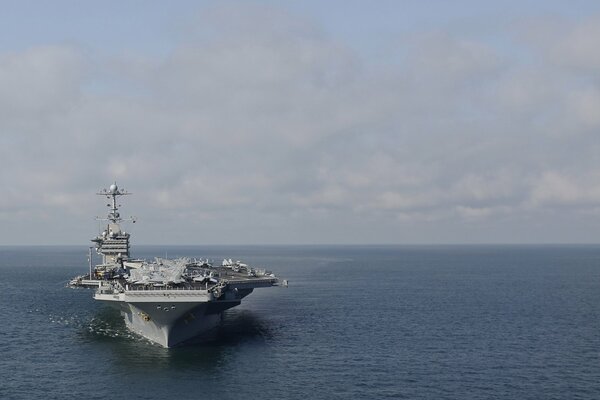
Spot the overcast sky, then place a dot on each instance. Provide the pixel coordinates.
(302, 122)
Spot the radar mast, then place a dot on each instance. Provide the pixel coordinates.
(113, 243)
(112, 193)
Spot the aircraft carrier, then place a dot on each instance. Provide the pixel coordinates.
(168, 301)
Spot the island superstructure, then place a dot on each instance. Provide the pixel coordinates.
(168, 301)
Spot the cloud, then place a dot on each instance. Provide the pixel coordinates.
(575, 46)
(583, 105)
(562, 189)
(45, 81)
(258, 120)
(450, 60)
(477, 213)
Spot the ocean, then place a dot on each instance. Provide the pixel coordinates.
(356, 322)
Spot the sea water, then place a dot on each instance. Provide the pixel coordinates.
(356, 322)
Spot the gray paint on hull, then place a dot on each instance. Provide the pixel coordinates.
(173, 324)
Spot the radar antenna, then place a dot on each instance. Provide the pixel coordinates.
(112, 193)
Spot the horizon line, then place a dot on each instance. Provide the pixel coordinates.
(323, 244)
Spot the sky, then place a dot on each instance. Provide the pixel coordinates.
(313, 122)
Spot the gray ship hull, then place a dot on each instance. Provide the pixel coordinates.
(168, 326)
(172, 317)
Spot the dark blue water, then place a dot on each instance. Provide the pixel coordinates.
(475, 322)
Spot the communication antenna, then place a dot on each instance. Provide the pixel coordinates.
(112, 193)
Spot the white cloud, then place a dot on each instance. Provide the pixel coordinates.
(477, 213)
(584, 106)
(578, 44)
(563, 189)
(261, 120)
(453, 60)
(40, 82)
